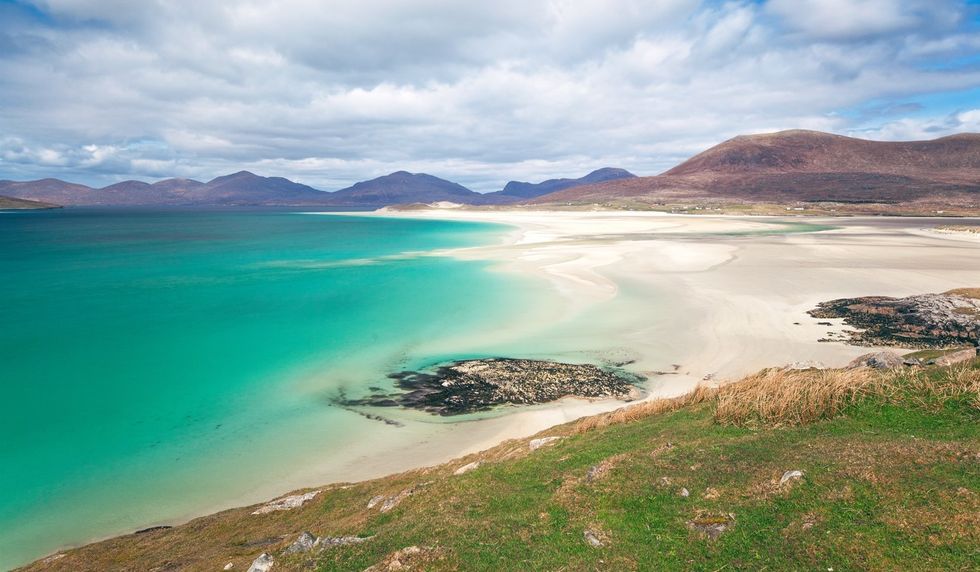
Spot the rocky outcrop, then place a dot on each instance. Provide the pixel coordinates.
(262, 564)
(956, 357)
(478, 385)
(308, 543)
(388, 502)
(467, 468)
(304, 543)
(535, 444)
(877, 360)
(287, 503)
(923, 321)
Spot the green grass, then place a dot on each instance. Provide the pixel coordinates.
(892, 482)
(931, 354)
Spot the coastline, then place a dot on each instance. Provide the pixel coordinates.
(692, 298)
(717, 324)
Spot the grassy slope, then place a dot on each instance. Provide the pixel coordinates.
(892, 482)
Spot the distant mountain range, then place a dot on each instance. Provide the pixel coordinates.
(805, 166)
(522, 191)
(245, 188)
(784, 167)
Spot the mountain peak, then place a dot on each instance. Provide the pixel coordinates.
(518, 190)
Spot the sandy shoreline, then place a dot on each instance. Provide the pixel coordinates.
(685, 299)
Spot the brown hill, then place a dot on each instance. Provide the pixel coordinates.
(807, 166)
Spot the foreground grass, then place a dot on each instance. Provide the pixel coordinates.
(892, 482)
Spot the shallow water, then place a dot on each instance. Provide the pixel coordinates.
(154, 363)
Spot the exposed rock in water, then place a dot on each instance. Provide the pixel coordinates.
(923, 321)
(878, 360)
(262, 564)
(287, 503)
(478, 385)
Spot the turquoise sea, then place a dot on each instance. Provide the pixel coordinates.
(154, 364)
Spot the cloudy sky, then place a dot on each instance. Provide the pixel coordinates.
(328, 92)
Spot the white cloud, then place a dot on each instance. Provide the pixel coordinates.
(331, 93)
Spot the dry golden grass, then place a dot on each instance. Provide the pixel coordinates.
(780, 397)
(776, 397)
(966, 292)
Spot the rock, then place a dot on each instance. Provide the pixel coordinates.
(711, 526)
(684, 492)
(594, 472)
(790, 476)
(403, 559)
(912, 362)
(957, 357)
(304, 543)
(804, 365)
(229, 566)
(478, 385)
(592, 537)
(331, 541)
(922, 321)
(536, 444)
(877, 360)
(262, 564)
(287, 503)
(153, 529)
(390, 502)
(467, 468)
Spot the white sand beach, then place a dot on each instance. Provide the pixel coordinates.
(684, 299)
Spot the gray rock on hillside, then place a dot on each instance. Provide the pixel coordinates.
(262, 564)
(593, 538)
(956, 357)
(467, 468)
(878, 360)
(790, 476)
(304, 543)
(287, 503)
(535, 444)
